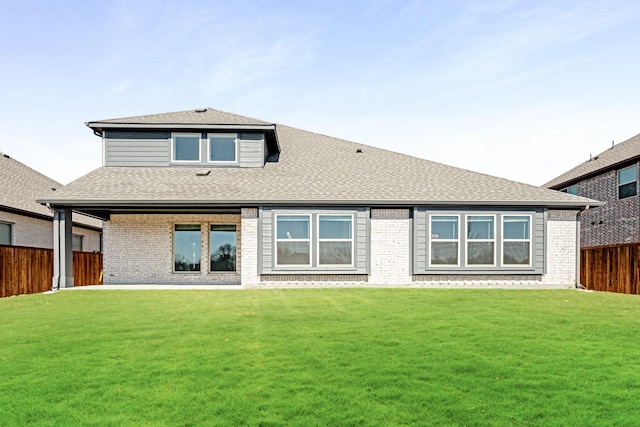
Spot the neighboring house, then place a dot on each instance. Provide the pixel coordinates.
(24, 222)
(611, 176)
(207, 197)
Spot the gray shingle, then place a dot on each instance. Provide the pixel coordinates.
(617, 154)
(21, 186)
(198, 116)
(312, 168)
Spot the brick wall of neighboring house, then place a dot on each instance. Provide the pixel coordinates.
(616, 222)
(38, 233)
(138, 249)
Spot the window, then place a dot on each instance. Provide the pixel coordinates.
(480, 240)
(444, 240)
(5, 233)
(571, 190)
(335, 240)
(627, 182)
(76, 242)
(186, 247)
(516, 240)
(293, 240)
(185, 148)
(222, 147)
(222, 247)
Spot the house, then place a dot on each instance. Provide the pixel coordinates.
(611, 176)
(24, 222)
(208, 197)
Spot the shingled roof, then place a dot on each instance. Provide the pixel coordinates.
(202, 116)
(312, 169)
(21, 186)
(612, 158)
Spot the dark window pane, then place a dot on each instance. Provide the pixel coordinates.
(222, 148)
(293, 227)
(516, 253)
(627, 190)
(572, 190)
(479, 253)
(76, 243)
(222, 247)
(444, 253)
(335, 226)
(293, 253)
(186, 148)
(516, 227)
(480, 227)
(335, 253)
(186, 247)
(5, 234)
(444, 227)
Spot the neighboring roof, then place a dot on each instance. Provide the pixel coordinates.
(615, 156)
(203, 116)
(21, 186)
(312, 169)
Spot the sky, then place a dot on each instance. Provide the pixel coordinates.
(524, 90)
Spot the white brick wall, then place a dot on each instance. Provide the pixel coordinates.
(561, 253)
(38, 233)
(390, 252)
(249, 247)
(138, 249)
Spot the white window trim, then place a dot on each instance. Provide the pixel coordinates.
(173, 143)
(352, 240)
(310, 240)
(430, 240)
(530, 240)
(219, 162)
(468, 240)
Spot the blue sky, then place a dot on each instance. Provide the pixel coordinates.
(524, 90)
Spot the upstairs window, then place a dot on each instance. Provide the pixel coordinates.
(571, 190)
(185, 148)
(223, 147)
(5, 233)
(627, 182)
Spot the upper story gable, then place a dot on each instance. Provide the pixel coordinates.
(204, 137)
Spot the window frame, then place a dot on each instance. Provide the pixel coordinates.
(10, 225)
(431, 241)
(572, 189)
(492, 240)
(317, 240)
(235, 261)
(173, 249)
(276, 240)
(634, 181)
(504, 240)
(173, 147)
(235, 143)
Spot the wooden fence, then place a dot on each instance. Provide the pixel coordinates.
(30, 270)
(612, 268)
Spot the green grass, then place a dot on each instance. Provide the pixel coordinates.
(341, 357)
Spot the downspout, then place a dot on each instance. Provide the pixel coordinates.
(578, 245)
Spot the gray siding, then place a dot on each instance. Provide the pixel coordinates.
(421, 247)
(153, 148)
(266, 242)
(137, 152)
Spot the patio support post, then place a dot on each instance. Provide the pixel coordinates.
(62, 249)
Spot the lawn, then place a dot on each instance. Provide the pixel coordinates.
(320, 357)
